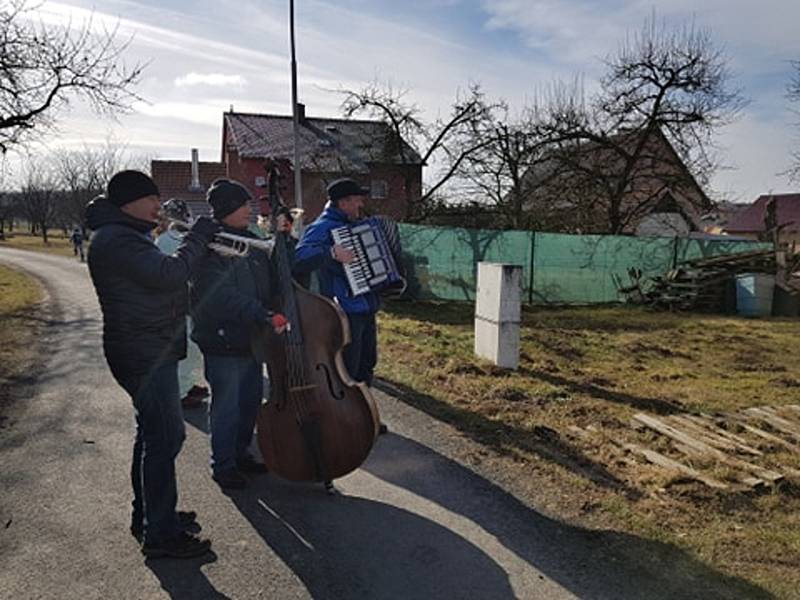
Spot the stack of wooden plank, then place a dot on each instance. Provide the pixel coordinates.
(703, 284)
(747, 454)
(748, 449)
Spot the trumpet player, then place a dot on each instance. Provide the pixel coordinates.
(230, 295)
(142, 296)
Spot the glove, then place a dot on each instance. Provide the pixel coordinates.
(205, 228)
(278, 321)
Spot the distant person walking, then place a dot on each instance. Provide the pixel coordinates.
(77, 243)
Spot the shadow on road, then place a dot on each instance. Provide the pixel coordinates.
(589, 563)
(183, 579)
(351, 547)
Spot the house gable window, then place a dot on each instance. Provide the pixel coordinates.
(379, 189)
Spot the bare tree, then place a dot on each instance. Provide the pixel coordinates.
(40, 197)
(83, 174)
(8, 210)
(494, 174)
(648, 130)
(43, 67)
(444, 142)
(793, 92)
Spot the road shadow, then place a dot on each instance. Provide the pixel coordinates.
(588, 563)
(183, 579)
(354, 547)
(350, 547)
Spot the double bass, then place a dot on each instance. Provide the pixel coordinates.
(318, 423)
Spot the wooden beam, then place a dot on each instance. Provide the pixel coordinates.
(779, 423)
(710, 428)
(741, 420)
(666, 462)
(702, 447)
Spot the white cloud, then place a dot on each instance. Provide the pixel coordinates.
(202, 114)
(212, 79)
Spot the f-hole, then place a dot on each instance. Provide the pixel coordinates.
(338, 395)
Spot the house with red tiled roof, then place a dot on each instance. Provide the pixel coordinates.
(751, 223)
(367, 151)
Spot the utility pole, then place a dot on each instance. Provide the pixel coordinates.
(298, 191)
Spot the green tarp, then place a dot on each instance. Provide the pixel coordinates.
(557, 268)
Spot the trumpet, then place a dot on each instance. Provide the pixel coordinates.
(226, 244)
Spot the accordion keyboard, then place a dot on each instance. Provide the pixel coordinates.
(373, 265)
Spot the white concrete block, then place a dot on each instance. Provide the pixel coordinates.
(498, 342)
(499, 291)
(498, 313)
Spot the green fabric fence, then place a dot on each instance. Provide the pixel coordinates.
(441, 263)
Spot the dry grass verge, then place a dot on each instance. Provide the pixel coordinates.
(57, 243)
(592, 370)
(19, 295)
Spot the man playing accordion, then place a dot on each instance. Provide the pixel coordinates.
(316, 251)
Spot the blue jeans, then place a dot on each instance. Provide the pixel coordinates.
(237, 388)
(361, 354)
(160, 432)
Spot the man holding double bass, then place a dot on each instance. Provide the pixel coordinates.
(231, 296)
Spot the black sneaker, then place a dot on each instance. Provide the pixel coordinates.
(183, 545)
(230, 480)
(248, 464)
(187, 517)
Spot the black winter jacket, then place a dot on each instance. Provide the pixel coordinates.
(142, 291)
(229, 297)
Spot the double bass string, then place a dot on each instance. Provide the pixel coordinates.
(293, 347)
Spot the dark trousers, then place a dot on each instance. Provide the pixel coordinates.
(160, 432)
(237, 388)
(361, 355)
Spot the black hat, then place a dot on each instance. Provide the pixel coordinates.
(341, 188)
(127, 186)
(225, 196)
(284, 210)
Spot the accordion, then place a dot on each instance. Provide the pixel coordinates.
(376, 246)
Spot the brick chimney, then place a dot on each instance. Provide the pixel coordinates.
(194, 185)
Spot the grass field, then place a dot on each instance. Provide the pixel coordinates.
(57, 242)
(594, 368)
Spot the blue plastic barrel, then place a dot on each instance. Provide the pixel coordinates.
(754, 294)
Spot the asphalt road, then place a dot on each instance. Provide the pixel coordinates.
(411, 523)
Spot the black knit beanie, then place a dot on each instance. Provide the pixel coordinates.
(225, 196)
(127, 186)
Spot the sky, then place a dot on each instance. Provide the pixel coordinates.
(204, 56)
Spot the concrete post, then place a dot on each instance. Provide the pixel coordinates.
(497, 313)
